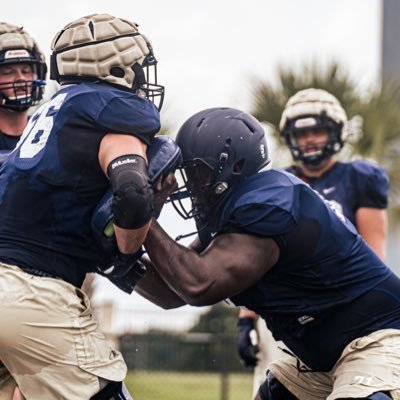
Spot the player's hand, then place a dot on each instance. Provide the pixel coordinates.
(125, 270)
(247, 341)
(162, 189)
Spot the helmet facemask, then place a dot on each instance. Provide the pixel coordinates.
(199, 186)
(322, 150)
(146, 80)
(206, 185)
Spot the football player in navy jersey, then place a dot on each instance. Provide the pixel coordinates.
(314, 126)
(268, 242)
(22, 79)
(91, 135)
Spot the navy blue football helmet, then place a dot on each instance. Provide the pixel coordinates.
(220, 148)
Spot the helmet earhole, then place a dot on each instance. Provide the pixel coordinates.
(117, 72)
(237, 168)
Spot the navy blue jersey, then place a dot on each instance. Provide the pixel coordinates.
(52, 181)
(8, 142)
(351, 186)
(323, 271)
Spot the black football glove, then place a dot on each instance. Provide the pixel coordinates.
(125, 270)
(247, 341)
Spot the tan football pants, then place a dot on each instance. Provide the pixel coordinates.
(50, 344)
(367, 365)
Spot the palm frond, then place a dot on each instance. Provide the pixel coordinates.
(378, 109)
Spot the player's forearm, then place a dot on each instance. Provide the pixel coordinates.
(154, 288)
(372, 225)
(180, 267)
(130, 240)
(231, 263)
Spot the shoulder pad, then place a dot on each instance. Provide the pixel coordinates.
(372, 184)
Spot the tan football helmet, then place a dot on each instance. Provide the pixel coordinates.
(17, 46)
(314, 108)
(101, 47)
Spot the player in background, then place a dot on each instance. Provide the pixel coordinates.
(314, 127)
(22, 80)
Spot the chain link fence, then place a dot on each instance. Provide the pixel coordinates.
(196, 366)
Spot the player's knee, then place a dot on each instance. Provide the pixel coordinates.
(272, 389)
(113, 391)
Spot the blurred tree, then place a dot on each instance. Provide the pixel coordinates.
(269, 100)
(219, 318)
(206, 346)
(374, 114)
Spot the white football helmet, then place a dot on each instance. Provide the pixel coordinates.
(17, 46)
(314, 108)
(101, 47)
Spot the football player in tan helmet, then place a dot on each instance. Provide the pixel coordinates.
(22, 80)
(314, 126)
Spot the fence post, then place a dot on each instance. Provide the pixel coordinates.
(224, 367)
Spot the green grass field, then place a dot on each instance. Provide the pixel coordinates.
(148, 385)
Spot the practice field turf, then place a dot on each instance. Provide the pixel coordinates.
(148, 385)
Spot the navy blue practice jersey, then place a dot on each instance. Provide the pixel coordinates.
(52, 181)
(8, 142)
(351, 186)
(328, 287)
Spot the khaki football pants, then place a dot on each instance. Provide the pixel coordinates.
(50, 343)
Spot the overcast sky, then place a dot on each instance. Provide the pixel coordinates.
(211, 51)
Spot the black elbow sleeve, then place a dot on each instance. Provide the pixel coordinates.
(132, 192)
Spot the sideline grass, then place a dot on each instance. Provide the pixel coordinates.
(149, 385)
